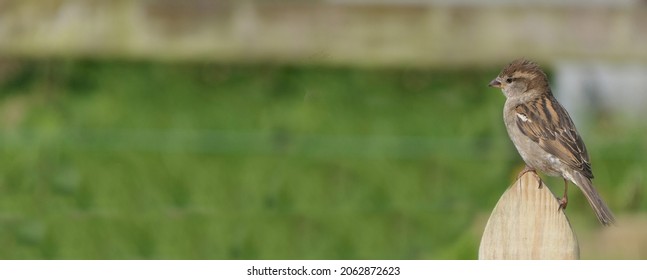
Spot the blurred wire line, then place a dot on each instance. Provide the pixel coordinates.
(274, 143)
(256, 143)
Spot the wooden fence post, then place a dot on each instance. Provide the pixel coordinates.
(526, 224)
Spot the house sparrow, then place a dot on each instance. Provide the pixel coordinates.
(544, 134)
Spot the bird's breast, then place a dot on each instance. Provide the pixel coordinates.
(532, 154)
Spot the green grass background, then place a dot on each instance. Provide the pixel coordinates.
(150, 160)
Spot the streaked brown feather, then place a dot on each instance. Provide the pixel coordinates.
(524, 66)
(559, 137)
(521, 66)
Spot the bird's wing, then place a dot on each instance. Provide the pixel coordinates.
(548, 124)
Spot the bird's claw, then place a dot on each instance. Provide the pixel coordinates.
(530, 169)
(563, 202)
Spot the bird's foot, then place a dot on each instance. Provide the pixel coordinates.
(563, 202)
(530, 169)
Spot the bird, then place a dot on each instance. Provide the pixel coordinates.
(544, 133)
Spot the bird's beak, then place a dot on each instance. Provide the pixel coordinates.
(495, 83)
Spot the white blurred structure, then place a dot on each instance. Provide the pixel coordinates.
(587, 87)
(424, 33)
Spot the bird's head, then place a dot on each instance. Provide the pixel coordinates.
(521, 78)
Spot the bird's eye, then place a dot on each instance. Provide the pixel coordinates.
(508, 80)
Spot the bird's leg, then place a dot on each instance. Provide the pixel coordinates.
(529, 169)
(563, 202)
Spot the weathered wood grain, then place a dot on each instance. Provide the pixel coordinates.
(526, 224)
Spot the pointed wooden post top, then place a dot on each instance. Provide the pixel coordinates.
(526, 224)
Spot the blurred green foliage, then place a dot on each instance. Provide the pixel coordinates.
(144, 160)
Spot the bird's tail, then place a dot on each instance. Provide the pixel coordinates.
(601, 209)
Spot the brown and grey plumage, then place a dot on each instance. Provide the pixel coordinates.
(544, 134)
